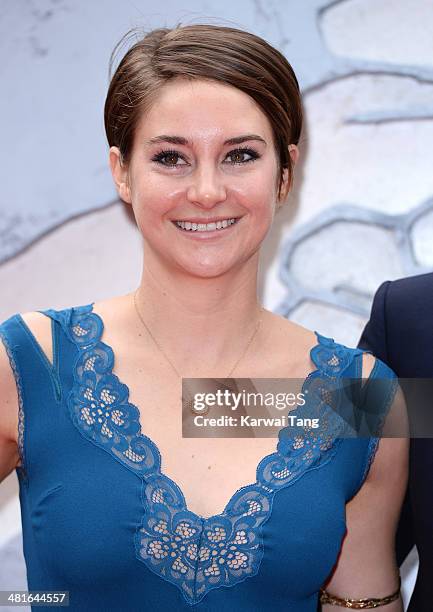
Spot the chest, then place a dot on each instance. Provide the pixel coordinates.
(208, 469)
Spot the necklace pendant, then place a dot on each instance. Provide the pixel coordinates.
(189, 405)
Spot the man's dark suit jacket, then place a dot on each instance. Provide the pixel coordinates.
(400, 333)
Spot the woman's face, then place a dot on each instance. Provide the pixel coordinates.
(183, 168)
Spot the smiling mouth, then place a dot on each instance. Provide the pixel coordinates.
(219, 226)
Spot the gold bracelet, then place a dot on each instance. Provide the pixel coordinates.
(358, 604)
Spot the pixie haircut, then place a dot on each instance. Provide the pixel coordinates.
(204, 52)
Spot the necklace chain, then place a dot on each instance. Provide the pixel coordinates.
(167, 357)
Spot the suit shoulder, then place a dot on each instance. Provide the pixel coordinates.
(411, 288)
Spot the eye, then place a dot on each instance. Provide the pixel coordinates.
(174, 155)
(159, 157)
(244, 151)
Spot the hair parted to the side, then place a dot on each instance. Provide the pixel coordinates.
(207, 52)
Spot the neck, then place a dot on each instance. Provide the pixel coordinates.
(202, 324)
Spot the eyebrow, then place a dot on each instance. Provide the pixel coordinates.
(180, 140)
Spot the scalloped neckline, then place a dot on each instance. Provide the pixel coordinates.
(141, 431)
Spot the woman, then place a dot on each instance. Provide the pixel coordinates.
(118, 508)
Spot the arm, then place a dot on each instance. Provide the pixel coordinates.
(374, 339)
(9, 457)
(366, 566)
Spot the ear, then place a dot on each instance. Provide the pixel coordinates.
(120, 175)
(294, 153)
(285, 187)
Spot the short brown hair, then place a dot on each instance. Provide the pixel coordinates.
(207, 52)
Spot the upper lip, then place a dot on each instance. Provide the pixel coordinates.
(210, 220)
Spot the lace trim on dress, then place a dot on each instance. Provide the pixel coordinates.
(374, 442)
(195, 553)
(20, 469)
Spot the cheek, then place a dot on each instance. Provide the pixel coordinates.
(150, 203)
(260, 186)
(259, 200)
(149, 190)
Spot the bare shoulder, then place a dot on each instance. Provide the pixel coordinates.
(286, 326)
(285, 333)
(116, 308)
(368, 363)
(40, 326)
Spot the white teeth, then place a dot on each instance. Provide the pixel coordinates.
(203, 227)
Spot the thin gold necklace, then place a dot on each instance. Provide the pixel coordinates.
(159, 347)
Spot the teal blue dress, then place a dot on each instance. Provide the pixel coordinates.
(101, 520)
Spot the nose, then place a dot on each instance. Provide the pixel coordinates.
(206, 189)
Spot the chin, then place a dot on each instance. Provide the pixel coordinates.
(206, 270)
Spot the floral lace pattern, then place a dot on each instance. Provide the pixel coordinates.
(22, 467)
(195, 553)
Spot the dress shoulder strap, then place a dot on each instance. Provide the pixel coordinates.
(367, 401)
(37, 380)
(378, 394)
